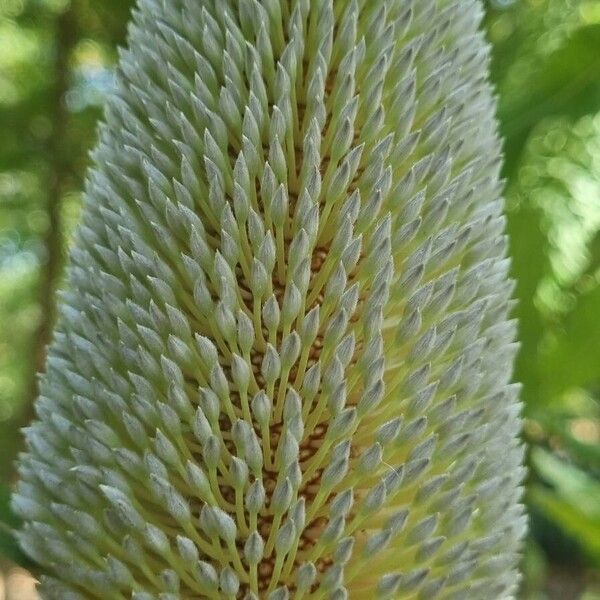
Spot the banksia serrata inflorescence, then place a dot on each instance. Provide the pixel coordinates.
(282, 364)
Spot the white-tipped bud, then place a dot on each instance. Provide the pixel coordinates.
(254, 548)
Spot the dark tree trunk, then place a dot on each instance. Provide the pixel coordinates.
(59, 168)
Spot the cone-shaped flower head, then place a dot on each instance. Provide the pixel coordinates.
(282, 364)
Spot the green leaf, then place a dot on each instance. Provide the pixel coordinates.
(573, 356)
(530, 264)
(566, 84)
(571, 500)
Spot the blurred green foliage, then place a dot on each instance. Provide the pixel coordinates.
(546, 67)
(56, 60)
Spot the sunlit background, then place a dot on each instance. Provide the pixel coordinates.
(56, 60)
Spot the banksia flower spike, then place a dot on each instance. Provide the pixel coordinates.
(282, 364)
